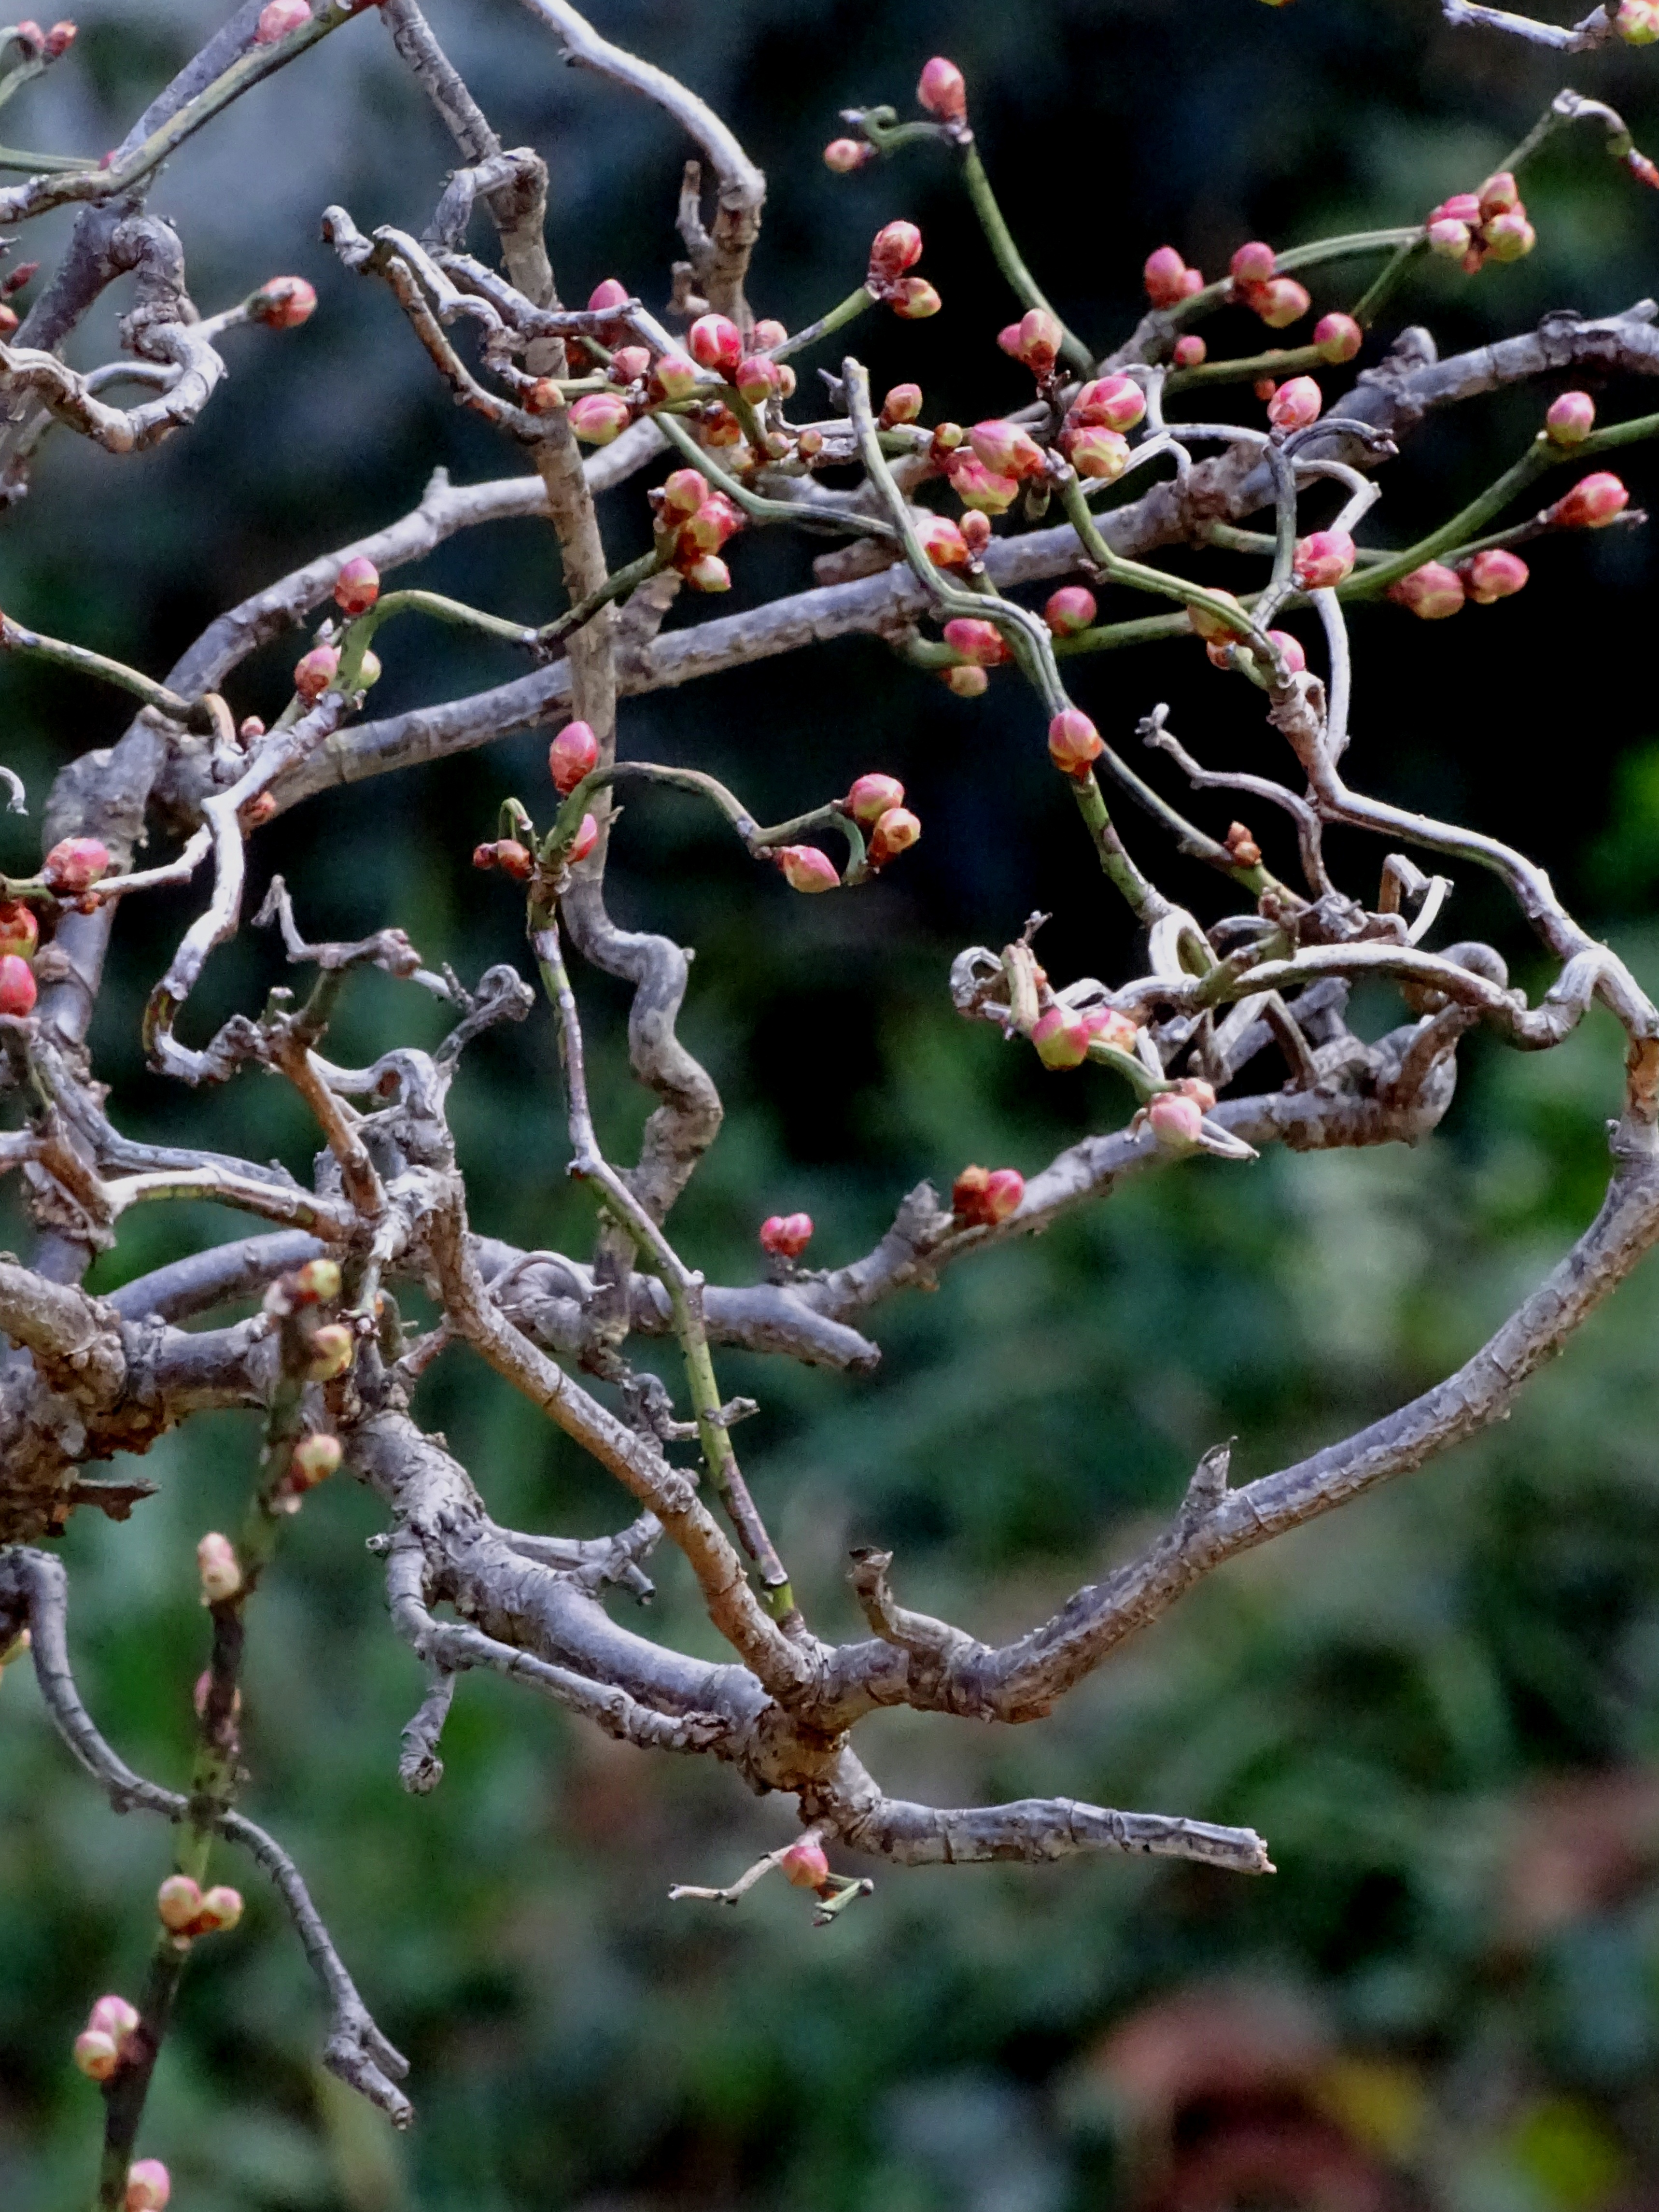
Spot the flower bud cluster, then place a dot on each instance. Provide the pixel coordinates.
(1036, 339)
(1474, 228)
(20, 935)
(981, 1197)
(693, 522)
(186, 1910)
(1279, 300)
(785, 1236)
(106, 2040)
(895, 249)
(1168, 279)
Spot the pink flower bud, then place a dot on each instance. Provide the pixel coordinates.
(1098, 453)
(1571, 418)
(757, 379)
(60, 39)
(1213, 627)
(1116, 402)
(20, 933)
(221, 1908)
(1431, 593)
(1069, 609)
(281, 20)
(1461, 207)
(114, 2017)
(871, 796)
(766, 333)
(1496, 574)
(1338, 337)
(805, 1865)
(895, 247)
(914, 300)
(97, 2055)
(216, 1564)
(1176, 1121)
(597, 417)
(1075, 744)
(967, 682)
(896, 832)
(148, 2186)
(358, 586)
(1638, 21)
(977, 488)
(902, 405)
(1107, 1026)
(506, 854)
(1448, 238)
(315, 671)
(785, 1236)
(1255, 263)
(316, 1282)
(28, 33)
(1296, 403)
(804, 868)
(572, 754)
(976, 531)
(683, 492)
(586, 837)
(1189, 350)
(843, 156)
(1007, 450)
(981, 643)
(1281, 303)
(178, 1901)
(1323, 558)
(333, 1345)
(1592, 502)
(1008, 339)
(942, 542)
(1040, 336)
(1290, 650)
(675, 377)
(715, 342)
(17, 991)
(1509, 237)
(628, 363)
(1165, 274)
(982, 1199)
(708, 572)
(721, 426)
(1061, 1037)
(284, 302)
(313, 1459)
(543, 397)
(75, 865)
(943, 90)
(1499, 195)
(613, 293)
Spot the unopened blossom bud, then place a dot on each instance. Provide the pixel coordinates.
(628, 363)
(1509, 237)
(1189, 350)
(943, 90)
(20, 933)
(895, 247)
(1255, 263)
(942, 542)
(1107, 1026)
(18, 988)
(757, 379)
(1069, 609)
(1571, 418)
(60, 39)
(1592, 502)
(675, 377)
(1116, 402)
(332, 1345)
(947, 437)
(1176, 1122)
(1448, 238)
(1323, 558)
(785, 1236)
(896, 832)
(707, 530)
(805, 1865)
(368, 674)
(280, 19)
(1461, 207)
(221, 1908)
(1246, 853)
(1100, 454)
(586, 837)
(810, 445)
(1296, 403)
(96, 2054)
(1061, 1037)
(542, 397)
(313, 1458)
(598, 416)
(683, 492)
(708, 572)
(1211, 625)
(149, 2186)
(983, 1198)
(1496, 574)
(871, 796)
(358, 586)
(1638, 21)
(766, 333)
(1165, 274)
(1075, 744)
(843, 156)
(1290, 650)
(1005, 449)
(1040, 336)
(572, 754)
(721, 426)
(902, 405)
(8, 320)
(978, 488)
(483, 856)
(316, 1282)
(1281, 303)
(967, 682)
(1338, 337)
(514, 860)
(1431, 593)
(1499, 195)
(1195, 1087)
(612, 293)
(975, 533)
(74, 865)
(804, 868)
(914, 300)
(1008, 339)
(315, 671)
(716, 341)
(981, 643)
(283, 303)
(178, 1901)
(216, 1564)
(28, 33)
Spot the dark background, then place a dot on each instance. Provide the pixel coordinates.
(1438, 1706)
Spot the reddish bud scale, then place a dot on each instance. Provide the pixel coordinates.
(871, 796)
(895, 833)
(586, 837)
(1038, 341)
(1494, 575)
(982, 1198)
(1243, 847)
(1069, 609)
(895, 247)
(1323, 559)
(74, 865)
(572, 754)
(17, 989)
(20, 933)
(1075, 744)
(358, 586)
(1431, 593)
(943, 90)
(785, 1236)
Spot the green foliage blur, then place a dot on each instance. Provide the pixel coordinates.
(1439, 1705)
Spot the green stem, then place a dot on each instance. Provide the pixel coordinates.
(1008, 257)
(361, 633)
(756, 505)
(838, 317)
(617, 586)
(1278, 361)
(1366, 307)
(42, 164)
(59, 653)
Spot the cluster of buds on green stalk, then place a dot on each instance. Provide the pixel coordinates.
(106, 2040)
(877, 803)
(186, 1911)
(1279, 300)
(1474, 228)
(894, 250)
(693, 522)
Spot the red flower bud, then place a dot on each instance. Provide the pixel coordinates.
(942, 542)
(333, 1347)
(543, 397)
(507, 855)
(216, 1564)
(358, 586)
(1165, 274)
(804, 868)
(1009, 339)
(1214, 628)
(914, 300)
(871, 797)
(674, 377)
(1061, 1037)
(1499, 195)
(1460, 207)
(284, 302)
(1448, 238)
(178, 1901)
(843, 156)
(28, 33)
(1189, 350)
(1290, 650)
(1255, 263)
(975, 486)
(1007, 450)
(16, 985)
(280, 19)
(785, 1236)
(757, 379)
(805, 1865)
(483, 856)
(9, 319)
(1495, 575)
(684, 492)
(1295, 404)
(97, 2053)
(1175, 1120)
(1323, 558)
(613, 293)
(895, 247)
(707, 530)
(1431, 593)
(975, 532)
(1075, 744)
(968, 683)
(1571, 418)
(1069, 609)
(766, 333)
(981, 643)
(586, 837)
(943, 90)
(20, 933)
(1115, 403)
(902, 405)
(1338, 337)
(149, 2186)
(1592, 502)
(715, 342)
(597, 417)
(1281, 303)
(315, 671)
(896, 832)
(1098, 453)
(982, 1199)
(1509, 237)
(75, 865)
(721, 426)
(708, 572)
(1107, 1026)
(572, 754)
(628, 363)
(313, 1459)
(1040, 336)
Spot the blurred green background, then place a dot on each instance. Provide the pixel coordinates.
(1439, 1706)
